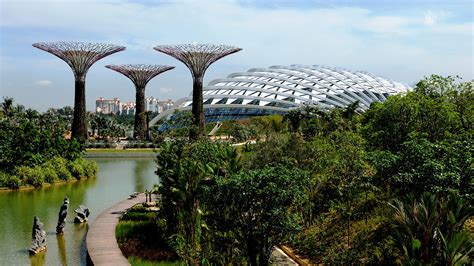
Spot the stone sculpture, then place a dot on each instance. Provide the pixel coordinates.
(81, 214)
(38, 235)
(62, 216)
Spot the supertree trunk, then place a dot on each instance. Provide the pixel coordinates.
(198, 129)
(80, 57)
(140, 75)
(139, 131)
(197, 57)
(79, 128)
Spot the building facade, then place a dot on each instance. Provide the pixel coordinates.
(107, 106)
(114, 106)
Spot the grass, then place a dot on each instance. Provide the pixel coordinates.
(141, 239)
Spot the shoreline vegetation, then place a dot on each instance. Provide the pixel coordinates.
(45, 185)
(35, 149)
(53, 172)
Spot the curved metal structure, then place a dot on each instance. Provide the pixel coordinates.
(140, 75)
(197, 57)
(278, 89)
(80, 56)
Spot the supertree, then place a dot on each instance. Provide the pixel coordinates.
(197, 57)
(140, 75)
(80, 57)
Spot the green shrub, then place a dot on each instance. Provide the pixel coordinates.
(3, 178)
(60, 165)
(90, 168)
(124, 229)
(12, 182)
(50, 174)
(76, 168)
(30, 175)
(83, 168)
(139, 213)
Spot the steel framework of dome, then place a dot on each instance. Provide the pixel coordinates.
(278, 89)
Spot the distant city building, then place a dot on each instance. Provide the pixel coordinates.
(155, 105)
(114, 106)
(128, 108)
(107, 106)
(165, 105)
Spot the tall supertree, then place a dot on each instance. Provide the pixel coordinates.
(140, 75)
(197, 57)
(80, 57)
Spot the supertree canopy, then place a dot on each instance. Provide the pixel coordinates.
(80, 56)
(197, 57)
(140, 75)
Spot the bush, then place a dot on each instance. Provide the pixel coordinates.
(4, 179)
(90, 168)
(50, 174)
(250, 211)
(139, 213)
(30, 175)
(60, 165)
(12, 182)
(76, 168)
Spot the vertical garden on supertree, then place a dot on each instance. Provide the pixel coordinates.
(197, 57)
(80, 56)
(140, 75)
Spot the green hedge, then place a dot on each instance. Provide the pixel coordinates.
(51, 171)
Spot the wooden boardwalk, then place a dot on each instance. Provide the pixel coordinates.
(102, 247)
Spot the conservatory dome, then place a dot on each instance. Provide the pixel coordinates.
(278, 89)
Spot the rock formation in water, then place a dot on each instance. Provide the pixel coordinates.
(38, 235)
(81, 214)
(62, 216)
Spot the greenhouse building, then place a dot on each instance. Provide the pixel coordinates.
(278, 89)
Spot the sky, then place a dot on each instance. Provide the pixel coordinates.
(403, 40)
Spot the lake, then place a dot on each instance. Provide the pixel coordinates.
(117, 178)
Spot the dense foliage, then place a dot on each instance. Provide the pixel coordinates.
(34, 149)
(392, 185)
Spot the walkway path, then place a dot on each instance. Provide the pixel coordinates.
(102, 247)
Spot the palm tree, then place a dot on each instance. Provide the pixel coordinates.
(431, 228)
(7, 106)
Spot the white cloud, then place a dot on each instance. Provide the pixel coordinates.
(44, 83)
(431, 17)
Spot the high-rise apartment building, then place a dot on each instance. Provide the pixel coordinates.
(114, 106)
(107, 106)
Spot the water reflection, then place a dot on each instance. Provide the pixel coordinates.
(140, 172)
(117, 178)
(61, 249)
(38, 259)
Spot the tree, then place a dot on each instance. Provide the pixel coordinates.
(184, 170)
(29, 138)
(430, 229)
(439, 112)
(251, 211)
